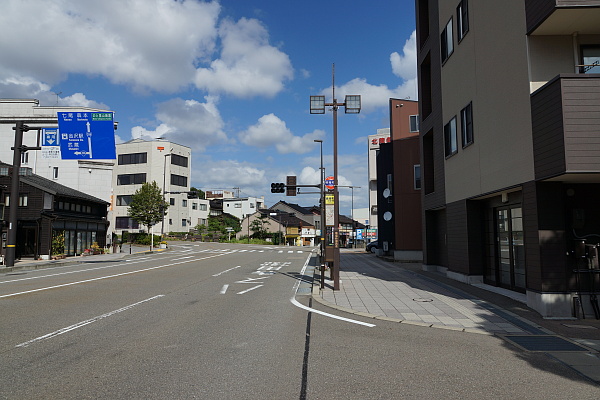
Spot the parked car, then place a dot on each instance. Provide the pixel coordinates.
(372, 246)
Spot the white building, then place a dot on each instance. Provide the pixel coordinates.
(241, 207)
(93, 177)
(199, 211)
(382, 136)
(166, 163)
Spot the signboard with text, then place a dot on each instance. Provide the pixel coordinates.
(86, 135)
(50, 144)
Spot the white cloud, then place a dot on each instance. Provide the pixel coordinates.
(187, 122)
(227, 174)
(248, 65)
(272, 131)
(374, 97)
(405, 65)
(156, 49)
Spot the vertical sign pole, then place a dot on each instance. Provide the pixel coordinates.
(11, 237)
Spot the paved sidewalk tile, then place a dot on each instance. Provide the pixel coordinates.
(380, 289)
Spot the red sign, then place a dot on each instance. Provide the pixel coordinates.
(381, 140)
(329, 182)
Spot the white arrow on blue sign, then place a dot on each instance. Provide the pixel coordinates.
(86, 135)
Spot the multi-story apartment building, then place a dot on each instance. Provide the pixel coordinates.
(92, 177)
(382, 136)
(508, 94)
(399, 184)
(167, 164)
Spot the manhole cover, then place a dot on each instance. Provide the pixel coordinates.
(423, 300)
(545, 343)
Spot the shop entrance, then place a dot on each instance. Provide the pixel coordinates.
(510, 251)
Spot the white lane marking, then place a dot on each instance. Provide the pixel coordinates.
(302, 306)
(224, 289)
(280, 251)
(86, 322)
(106, 277)
(251, 280)
(252, 288)
(182, 258)
(74, 272)
(230, 269)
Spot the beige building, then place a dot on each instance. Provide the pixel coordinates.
(508, 94)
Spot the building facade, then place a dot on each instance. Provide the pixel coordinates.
(166, 163)
(52, 218)
(382, 136)
(509, 137)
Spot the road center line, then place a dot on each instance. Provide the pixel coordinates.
(108, 276)
(86, 322)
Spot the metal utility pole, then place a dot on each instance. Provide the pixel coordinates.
(351, 106)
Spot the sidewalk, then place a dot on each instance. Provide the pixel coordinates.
(30, 263)
(403, 293)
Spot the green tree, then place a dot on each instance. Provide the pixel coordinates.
(258, 227)
(219, 223)
(147, 205)
(201, 194)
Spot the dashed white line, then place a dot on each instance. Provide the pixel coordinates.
(252, 288)
(224, 289)
(227, 270)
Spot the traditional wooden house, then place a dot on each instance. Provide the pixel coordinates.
(52, 218)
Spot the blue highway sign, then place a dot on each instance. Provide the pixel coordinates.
(86, 135)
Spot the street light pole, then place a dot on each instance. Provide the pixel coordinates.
(322, 239)
(352, 214)
(351, 106)
(162, 228)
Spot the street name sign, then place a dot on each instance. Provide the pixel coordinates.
(86, 135)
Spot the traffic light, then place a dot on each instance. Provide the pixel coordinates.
(291, 185)
(277, 188)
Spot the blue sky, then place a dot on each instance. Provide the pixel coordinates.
(231, 78)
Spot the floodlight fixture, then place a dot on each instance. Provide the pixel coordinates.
(352, 104)
(317, 104)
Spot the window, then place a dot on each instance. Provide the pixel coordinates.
(462, 19)
(179, 160)
(55, 172)
(194, 206)
(184, 203)
(183, 222)
(590, 55)
(238, 205)
(126, 223)
(447, 41)
(7, 200)
(466, 125)
(417, 175)
(124, 200)
(450, 142)
(202, 207)
(172, 201)
(178, 180)
(131, 179)
(23, 200)
(414, 123)
(134, 158)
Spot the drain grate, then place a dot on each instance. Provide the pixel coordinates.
(545, 343)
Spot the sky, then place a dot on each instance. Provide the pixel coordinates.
(231, 79)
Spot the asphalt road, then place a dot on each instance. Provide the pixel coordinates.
(222, 321)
